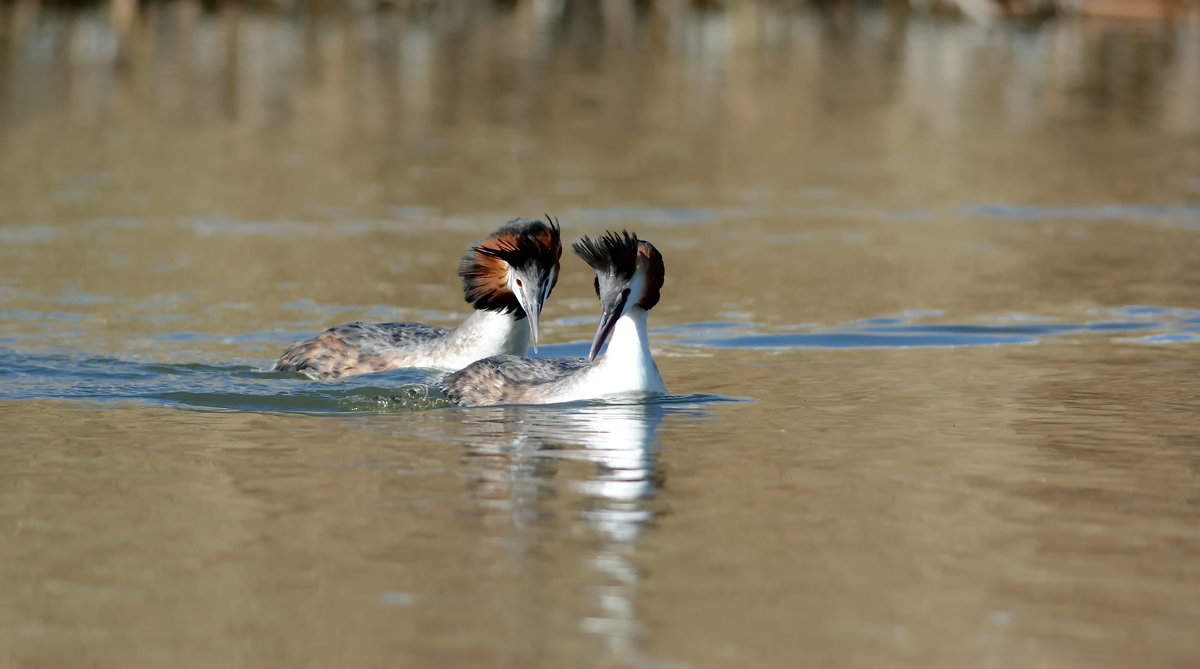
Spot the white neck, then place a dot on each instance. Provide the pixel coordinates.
(627, 366)
(483, 334)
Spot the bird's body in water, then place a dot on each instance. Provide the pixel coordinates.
(629, 275)
(507, 278)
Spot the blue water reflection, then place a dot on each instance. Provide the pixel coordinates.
(61, 372)
(908, 330)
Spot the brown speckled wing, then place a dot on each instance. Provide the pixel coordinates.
(507, 379)
(355, 348)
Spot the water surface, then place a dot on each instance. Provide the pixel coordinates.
(930, 325)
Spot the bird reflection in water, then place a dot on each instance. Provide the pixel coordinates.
(522, 467)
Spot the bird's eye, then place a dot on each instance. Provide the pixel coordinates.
(519, 284)
(625, 292)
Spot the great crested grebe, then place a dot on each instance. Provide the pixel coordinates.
(629, 275)
(507, 278)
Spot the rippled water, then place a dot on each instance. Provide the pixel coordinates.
(930, 325)
(62, 374)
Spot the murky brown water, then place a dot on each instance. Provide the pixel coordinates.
(953, 272)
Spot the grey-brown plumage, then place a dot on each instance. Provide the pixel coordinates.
(357, 348)
(507, 278)
(509, 379)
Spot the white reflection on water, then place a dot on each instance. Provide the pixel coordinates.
(620, 439)
(520, 451)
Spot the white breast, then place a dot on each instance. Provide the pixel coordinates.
(625, 368)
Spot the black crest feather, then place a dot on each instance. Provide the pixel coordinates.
(611, 253)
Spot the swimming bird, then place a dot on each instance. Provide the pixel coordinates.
(629, 276)
(507, 278)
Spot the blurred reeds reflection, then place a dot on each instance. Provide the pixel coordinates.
(402, 69)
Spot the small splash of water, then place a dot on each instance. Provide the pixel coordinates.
(413, 397)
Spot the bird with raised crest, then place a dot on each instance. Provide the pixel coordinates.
(506, 277)
(629, 276)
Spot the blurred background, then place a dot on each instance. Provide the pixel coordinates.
(930, 324)
(227, 150)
